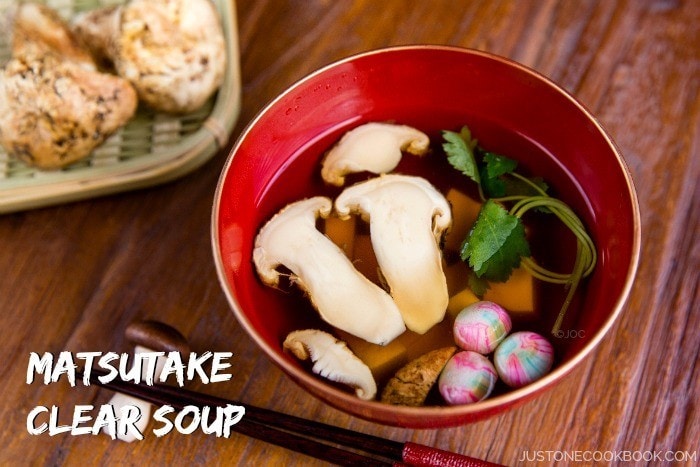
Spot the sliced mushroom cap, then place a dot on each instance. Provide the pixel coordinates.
(343, 297)
(333, 360)
(372, 147)
(407, 217)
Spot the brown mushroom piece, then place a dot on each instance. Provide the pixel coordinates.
(55, 107)
(412, 383)
(172, 51)
(147, 337)
(98, 30)
(38, 29)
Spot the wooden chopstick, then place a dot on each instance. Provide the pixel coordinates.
(299, 434)
(266, 425)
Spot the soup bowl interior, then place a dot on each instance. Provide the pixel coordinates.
(509, 108)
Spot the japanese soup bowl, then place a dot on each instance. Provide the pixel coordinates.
(511, 110)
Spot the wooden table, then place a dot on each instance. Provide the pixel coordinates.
(75, 275)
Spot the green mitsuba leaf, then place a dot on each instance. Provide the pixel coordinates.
(478, 285)
(494, 166)
(495, 244)
(459, 148)
(497, 165)
(517, 187)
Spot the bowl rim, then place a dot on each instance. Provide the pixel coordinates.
(422, 415)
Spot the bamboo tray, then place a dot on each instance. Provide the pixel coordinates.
(152, 148)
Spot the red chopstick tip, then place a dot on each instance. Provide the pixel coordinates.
(425, 456)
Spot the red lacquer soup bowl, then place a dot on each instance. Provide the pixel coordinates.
(509, 108)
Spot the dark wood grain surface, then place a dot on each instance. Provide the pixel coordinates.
(74, 276)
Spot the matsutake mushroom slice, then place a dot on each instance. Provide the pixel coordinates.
(332, 360)
(407, 218)
(373, 147)
(342, 295)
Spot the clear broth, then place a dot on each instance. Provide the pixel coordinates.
(552, 244)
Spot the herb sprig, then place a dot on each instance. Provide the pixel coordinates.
(497, 243)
